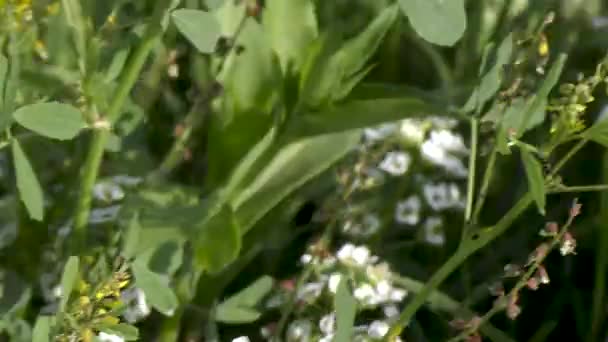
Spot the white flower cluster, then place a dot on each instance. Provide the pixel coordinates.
(372, 289)
(111, 191)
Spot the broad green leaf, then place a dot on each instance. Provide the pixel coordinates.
(69, 277)
(440, 22)
(218, 241)
(288, 169)
(491, 81)
(29, 188)
(291, 26)
(536, 179)
(346, 309)
(240, 308)
(155, 287)
(126, 331)
(358, 114)
(199, 27)
(42, 329)
(52, 119)
(598, 132)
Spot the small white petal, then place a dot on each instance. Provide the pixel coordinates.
(378, 329)
(365, 293)
(105, 337)
(408, 211)
(361, 255)
(396, 163)
(397, 295)
(299, 330)
(306, 259)
(327, 324)
(391, 311)
(432, 232)
(241, 339)
(333, 282)
(345, 252)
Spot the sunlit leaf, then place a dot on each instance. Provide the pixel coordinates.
(240, 308)
(199, 27)
(69, 277)
(218, 241)
(440, 22)
(42, 329)
(29, 188)
(155, 287)
(52, 119)
(346, 308)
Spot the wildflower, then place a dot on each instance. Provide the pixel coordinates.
(513, 310)
(443, 196)
(137, 306)
(437, 151)
(432, 231)
(408, 211)
(532, 284)
(379, 272)
(542, 274)
(299, 330)
(334, 281)
(396, 163)
(327, 324)
(350, 254)
(390, 311)
(241, 339)
(310, 291)
(551, 229)
(366, 294)
(108, 192)
(568, 244)
(306, 259)
(412, 131)
(377, 329)
(575, 210)
(105, 337)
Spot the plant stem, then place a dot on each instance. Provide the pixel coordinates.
(568, 155)
(582, 188)
(90, 169)
(466, 249)
(485, 184)
(472, 170)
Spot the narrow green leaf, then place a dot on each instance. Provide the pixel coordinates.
(29, 188)
(290, 168)
(440, 22)
(346, 309)
(126, 331)
(155, 287)
(358, 114)
(536, 179)
(291, 27)
(69, 277)
(3, 77)
(199, 27)
(236, 314)
(131, 237)
(52, 119)
(218, 241)
(42, 329)
(252, 294)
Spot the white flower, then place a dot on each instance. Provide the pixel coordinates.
(412, 131)
(397, 294)
(299, 330)
(306, 259)
(377, 273)
(327, 324)
(435, 150)
(390, 311)
(137, 307)
(448, 141)
(432, 232)
(108, 192)
(310, 291)
(105, 337)
(443, 196)
(396, 163)
(334, 281)
(345, 252)
(350, 254)
(360, 255)
(366, 294)
(383, 288)
(380, 132)
(378, 329)
(408, 211)
(241, 339)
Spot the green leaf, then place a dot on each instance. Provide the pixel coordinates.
(199, 27)
(356, 114)
(536, 179)
(440, 22)
(52, 119)
(218, 241)
(346, 308)
(126, 331)
(291, 27)
(239, 308)
(3, 77)
(42, 329)
(598, 132)
(29, 188)
(155, 287)
(69, 277)
(491, 81)
(286, 170)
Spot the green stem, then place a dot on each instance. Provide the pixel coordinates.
(568, 155)
(466, 249)
(582, 188)
(485, 185)
(90, 169)
(472, 169)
